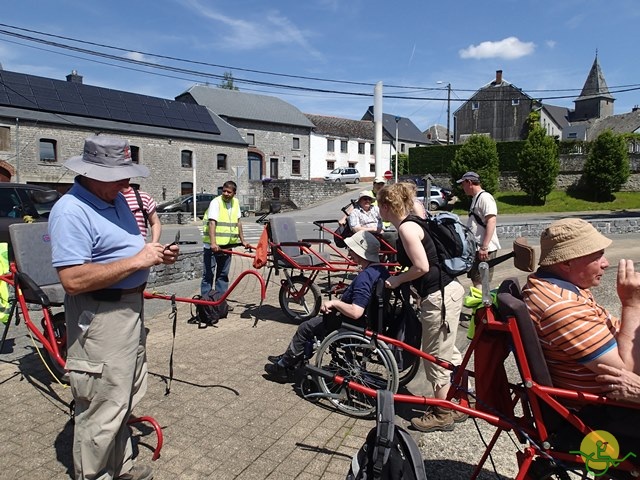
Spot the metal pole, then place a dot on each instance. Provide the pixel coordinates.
(448, 109)
(397, 155)
(195, 190)
(17, 150)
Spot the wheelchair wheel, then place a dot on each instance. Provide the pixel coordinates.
(356, 358)
(299, 298)
(60, 334)
(405, 376)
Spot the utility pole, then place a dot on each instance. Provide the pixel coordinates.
(397, 154)
(448, 109)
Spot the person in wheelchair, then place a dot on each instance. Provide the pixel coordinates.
(580, 339)
(364, 249)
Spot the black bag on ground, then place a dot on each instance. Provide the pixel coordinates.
(389, 452)
(206, 315)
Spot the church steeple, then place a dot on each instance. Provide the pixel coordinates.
(595, 100)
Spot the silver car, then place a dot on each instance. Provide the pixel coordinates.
(437, 200)
(346, 175)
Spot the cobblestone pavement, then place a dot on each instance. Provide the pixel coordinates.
(222, 419)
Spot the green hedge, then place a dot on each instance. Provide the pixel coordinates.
(437, 159)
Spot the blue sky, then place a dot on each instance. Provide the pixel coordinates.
(546, 48)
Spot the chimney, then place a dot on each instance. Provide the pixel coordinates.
(498, 77)
(73, 77)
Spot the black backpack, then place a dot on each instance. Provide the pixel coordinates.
(206, 315)
(389, 452)
(455, 243)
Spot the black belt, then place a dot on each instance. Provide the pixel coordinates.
(115, 294)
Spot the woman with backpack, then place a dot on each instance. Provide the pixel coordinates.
(440, 298)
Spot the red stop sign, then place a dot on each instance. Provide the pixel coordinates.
(388, 175)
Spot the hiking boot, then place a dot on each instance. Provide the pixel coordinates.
(275, 358)
(278, 373)
(138, 472)
(459, 417)
(433, 420)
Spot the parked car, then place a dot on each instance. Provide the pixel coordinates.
(184, 203)
(20, 200)
(437, 199)
(346, 175)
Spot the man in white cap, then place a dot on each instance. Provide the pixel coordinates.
(378, 183)
(483, 217)
(103, 263)
(364, 249)
(577, 335)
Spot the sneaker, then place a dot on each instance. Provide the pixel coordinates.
(459, 417)
(138, 472)
(278, 373)
(275, 358)
(434, 420)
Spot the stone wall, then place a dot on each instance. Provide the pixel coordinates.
(607, 226)
(298, 194)
(188, 267)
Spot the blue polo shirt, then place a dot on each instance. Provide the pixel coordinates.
(360, 290)
(86, 229)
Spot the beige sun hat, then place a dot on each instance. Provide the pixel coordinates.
(107, 159)
(569, 238)
(365, 245)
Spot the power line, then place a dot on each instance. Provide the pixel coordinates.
(208, 75)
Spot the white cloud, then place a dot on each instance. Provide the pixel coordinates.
(272, 30)
(510, 48)
(551, 43)
(138, 57)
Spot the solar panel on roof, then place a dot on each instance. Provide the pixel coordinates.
(75, 109)
(121, 115)
(178, 123)
(159, 121)
(140, 116)
(49, 104)
(154, 111)
(45, 92)
(31, 92)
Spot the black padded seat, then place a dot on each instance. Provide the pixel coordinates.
(283, 230)
(32, 252)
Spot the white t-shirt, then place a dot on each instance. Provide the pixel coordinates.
(214, 213)
(483, 204)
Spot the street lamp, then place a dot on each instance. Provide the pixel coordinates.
(448, 107)
(397, 154)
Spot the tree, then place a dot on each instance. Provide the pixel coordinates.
(607, 166)
(403, 163)
(478, 154)
(538, 165)
(227, 82)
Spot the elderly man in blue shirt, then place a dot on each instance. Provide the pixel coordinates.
(103, 263)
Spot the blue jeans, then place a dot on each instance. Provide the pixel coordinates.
(221, 264)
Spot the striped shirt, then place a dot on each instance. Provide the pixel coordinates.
(148, 203)
(573, 330)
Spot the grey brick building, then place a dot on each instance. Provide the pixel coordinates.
(44, 121)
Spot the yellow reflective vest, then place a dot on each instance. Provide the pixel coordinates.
(226, 224)
(5, 305)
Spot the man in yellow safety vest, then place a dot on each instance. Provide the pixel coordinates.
(222, 231)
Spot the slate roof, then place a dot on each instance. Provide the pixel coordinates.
(407, 130)
(622, 123)
(438, 133)
(245, 106)
(342, 127)
(62, 102)
(559, 114)
(595, 86)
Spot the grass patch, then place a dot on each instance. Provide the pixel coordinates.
(560, 201)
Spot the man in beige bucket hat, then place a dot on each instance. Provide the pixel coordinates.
(581, 339)
(103, 263)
